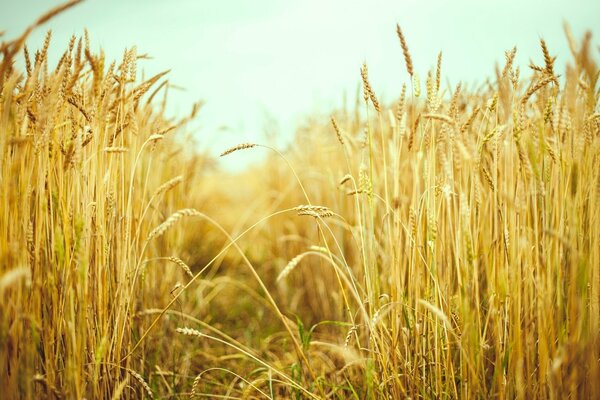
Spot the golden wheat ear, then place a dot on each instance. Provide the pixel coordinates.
(405, 52)
(241, 146)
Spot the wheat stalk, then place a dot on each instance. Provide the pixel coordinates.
(407, 57)
(116, 149)
(337, 130)
(182, 265)
(142, 382)
(314, 211)
(537, 86)
(168, 185)
(290, 266)
(195, 385)
(172, 220)
(367, 89)
(242, 146)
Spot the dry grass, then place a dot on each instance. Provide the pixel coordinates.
(81, 154)
(453, 250)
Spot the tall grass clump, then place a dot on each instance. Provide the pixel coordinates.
(462, 257)
(89, 166)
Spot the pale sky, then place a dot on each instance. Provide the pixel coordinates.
(277, 60)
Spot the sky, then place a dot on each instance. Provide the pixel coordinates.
(264, 65)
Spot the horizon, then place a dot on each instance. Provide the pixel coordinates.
(263, 68)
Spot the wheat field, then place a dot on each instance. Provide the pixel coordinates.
(442, 246)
